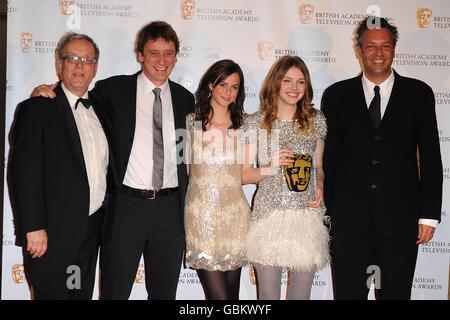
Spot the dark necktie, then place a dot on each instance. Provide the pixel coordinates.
(158, 143)
(85, 102)
(375, 108)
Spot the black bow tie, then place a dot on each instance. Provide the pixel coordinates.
(86, 103)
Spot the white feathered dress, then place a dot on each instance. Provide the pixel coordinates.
(283, 231)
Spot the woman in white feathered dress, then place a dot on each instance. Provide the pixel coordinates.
(286, 138)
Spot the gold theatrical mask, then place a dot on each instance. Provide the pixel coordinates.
(18, 273)
(424, 17)
(25, 41)
(140, 274)
(252, 276)
(298, 173)
(187, 9)
(306, 13)
(64, 7)
(265, 50)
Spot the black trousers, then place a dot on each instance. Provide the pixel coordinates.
(67, 274)
(136, 226)
(352, 255)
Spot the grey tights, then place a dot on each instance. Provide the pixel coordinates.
(269, 283)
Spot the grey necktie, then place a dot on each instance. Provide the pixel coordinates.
(158, 143)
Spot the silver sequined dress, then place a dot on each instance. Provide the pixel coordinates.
(283, 231)
(217, 213)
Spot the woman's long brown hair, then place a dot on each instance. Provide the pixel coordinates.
(271, 88)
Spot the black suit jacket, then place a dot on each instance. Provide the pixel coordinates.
(50, 188)
(373, 175)
(117, 98)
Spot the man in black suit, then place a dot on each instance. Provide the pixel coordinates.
(147, 112)
(146, 211)
(381, 203)
(58, 174)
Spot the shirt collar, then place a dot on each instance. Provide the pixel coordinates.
(148, 86)
(72, 98)
(384, 86)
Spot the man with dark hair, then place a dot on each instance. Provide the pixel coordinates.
(382, 205)
(59, 160)
(146, 213)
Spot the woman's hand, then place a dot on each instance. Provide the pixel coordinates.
(282, 157)
(318, 200)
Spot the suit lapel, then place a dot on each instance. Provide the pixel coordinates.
(106, 125)
(128, 117)
(394, 99)
(71, 130)
(104, 120)
(178, 115)
(359, 99)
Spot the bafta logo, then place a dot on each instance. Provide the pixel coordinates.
(186, 82)
(187, 9)
(423, 17)
(265, 50)
(298, 173)
(305, 13)
(252, 275)
(64, 7)
(18, 273)
(25, 41)
(140, 274)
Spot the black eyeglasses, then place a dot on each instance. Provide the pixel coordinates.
(84, 60)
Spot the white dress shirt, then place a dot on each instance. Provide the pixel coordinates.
(385, 93)
(140, 165)
(95, 149)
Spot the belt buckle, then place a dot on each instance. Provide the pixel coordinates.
(154, 195)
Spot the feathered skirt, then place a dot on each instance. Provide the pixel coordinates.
(294, 239)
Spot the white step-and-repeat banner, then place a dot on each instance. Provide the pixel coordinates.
(254, 33)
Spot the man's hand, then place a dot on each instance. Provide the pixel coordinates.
(44, 90)
(425, 233)
(37, 243)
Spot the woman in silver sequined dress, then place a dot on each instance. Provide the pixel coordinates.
(286, 137)
(216, 212)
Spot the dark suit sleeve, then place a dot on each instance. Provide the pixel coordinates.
(27, 168)
(191, 104)
(100, 96)
(431, 178)
(332, 144)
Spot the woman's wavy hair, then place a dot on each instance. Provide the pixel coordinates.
(215, 74)
(271, 88)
